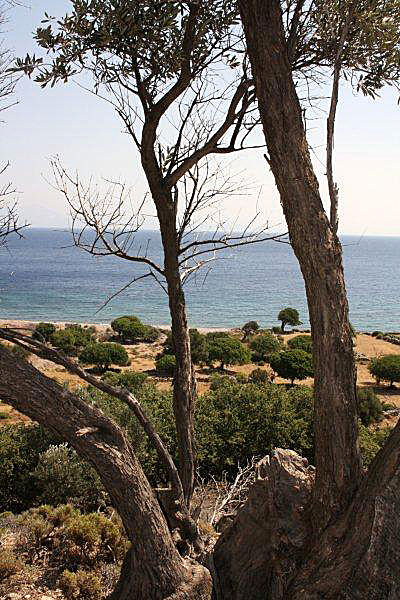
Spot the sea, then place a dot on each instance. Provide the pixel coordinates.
(44, 277)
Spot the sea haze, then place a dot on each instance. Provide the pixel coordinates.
(44, 277)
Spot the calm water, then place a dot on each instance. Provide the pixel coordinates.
(43, 278)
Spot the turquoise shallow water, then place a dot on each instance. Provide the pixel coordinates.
(43, 277)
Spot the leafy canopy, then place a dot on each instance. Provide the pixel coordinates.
(292, 364)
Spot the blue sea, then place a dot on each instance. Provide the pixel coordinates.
(44, 277)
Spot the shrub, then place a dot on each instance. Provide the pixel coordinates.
(43, 332)
(263, 346)
(250, 328)
(301, 342)
(131, 380)
(292, 364)
(277, 330)
(386, 368)
(165, 365)
(20, 449)
(81, 585)
(198, 346)
(376, 333)
(72, 339)
(62, 477)
(228, 351)
(289, 316)
(9, 564)
(370, 408)
(260, 376)
(371, 441)
(104, 354)
(130, 328)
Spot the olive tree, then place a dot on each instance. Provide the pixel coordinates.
(289, 316)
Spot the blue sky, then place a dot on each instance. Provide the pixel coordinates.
(88, 136)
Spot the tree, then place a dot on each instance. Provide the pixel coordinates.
(72, 338)
(289, 316)
(152, 75)
(130, 328)
(292, 364)
(386, 368)
(103, 355)
(301, 342)
(249, 328)
(166, 364)
(229, 351)
(264, 345)
(198, 346)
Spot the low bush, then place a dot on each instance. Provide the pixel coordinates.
(9, 564)
(263, 346)
(301, 342)
(198, 346)
(130, 329)
(371, 441)
(104, 354)
(370, 408)
(43, 332)
(131, 380)
(73, 339)
(386, 368)
(292, 364)
(165, 365)
(260, 376)
(82, 585)
(250, 328)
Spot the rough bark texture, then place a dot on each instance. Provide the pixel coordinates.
(156, 571)
(319, 254)
(262, 549)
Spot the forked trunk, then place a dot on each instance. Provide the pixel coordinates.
(318, 251)
(153, 569)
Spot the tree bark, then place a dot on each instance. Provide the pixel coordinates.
(153, 569)
(318, 250)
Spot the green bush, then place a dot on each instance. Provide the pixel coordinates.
(131, 329)
(263, 346)
(228, 351)
(165, 365)
(386, 368)
(9, 564)
(198, 346)
(370, 408)
(20, 449)
(371, 441)
(289, 316)
(62, 477)
(292, 364)
(131, 380)
(73, 338)
(376, 333)
(250, 328)
(301, 342)
(104, 354)
(260, 376)
(43, 332)
(81, 585)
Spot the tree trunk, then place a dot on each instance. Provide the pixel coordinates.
(184, 391)
(153, 569)
(318, 251)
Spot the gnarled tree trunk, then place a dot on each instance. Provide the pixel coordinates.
(153, 568)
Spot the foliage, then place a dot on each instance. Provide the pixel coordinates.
(165, 365)
(198, 346)
(81, 585)
(228, 351)
(386, 368)
(72, 339)
(131, 380)
(249, 328)
(370, 408)
(43, 332)
(131, 329)
(371, 441)
(301, 342)
(260, 376)
(9, 564)
(292, 364)
(289, 316)
(20, 450)
(263, 346)
(104, 354)
(61, 476)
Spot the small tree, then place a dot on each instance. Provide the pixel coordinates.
(43, 332)
(250, 328)
(198, 346)
(370, 408)
(263, 346)
(103, 355)
(72, 339)
(289, 316)
(292, 364)
(130, 328)
(166, 364)
(301, 342)
(386, 368)
(229, 351)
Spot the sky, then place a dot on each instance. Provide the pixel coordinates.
(87, 135)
